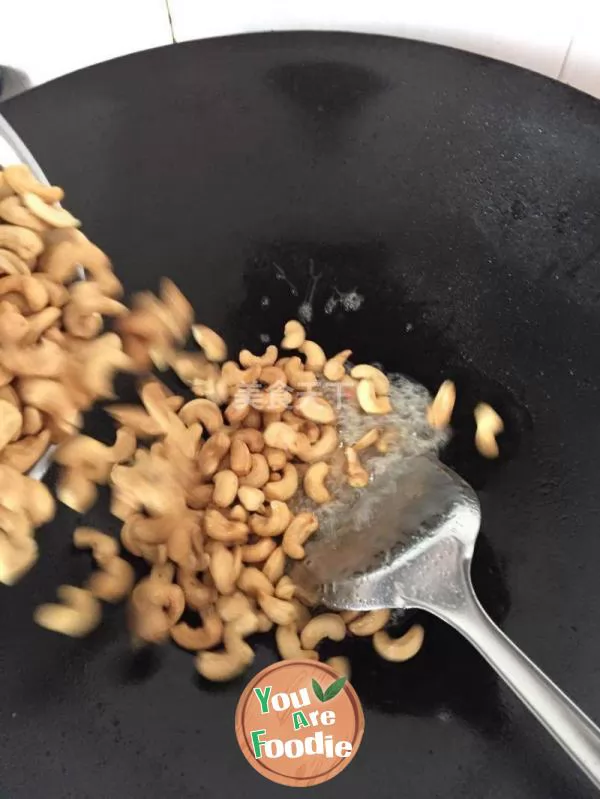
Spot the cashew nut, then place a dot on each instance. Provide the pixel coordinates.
(440, 410)
(254, 582)
(25, 243)
(321, 449)
(226, 488)
(104, 547)
(367, 440)
(358, 476)
(76, 491)
(274, 566)
(251, 498)
(198, 595)
(326, 625)
(280, 611)
(211, 343)
(289, 646)
(314, 482)
(489, 425)
(13, 211)
(280, 435)
(285, 587)
(17, 557)
(273, 524)
(335, 369)
(268, 358)
(205, 637)
(11, 423)
(79, 613)
(368, 399)
(252, 438)
(53, 216)
(399, 649)
(367, 372)
(294, 335)
(315, 409)
(258, 474)
(370, 623)
(259, 551)
(25, 453)
(341, 665)
(154, 609)
(114, 581)
(21, 181)
(237, 655)
(217, 526)
(224, 567)
(204, 411)
(298, 376)
(286, 487)
(297, 534)
(212, 452)
(234, 606)
(276, 458)
(315, 357)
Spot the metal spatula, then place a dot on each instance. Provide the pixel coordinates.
(408, 543)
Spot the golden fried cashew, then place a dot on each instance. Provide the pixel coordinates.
(370, 622)
(21, 181)
(76, 491)
(294, 335)
(226, 488)
(367, 440)
(191, 367)
(237, 655)
(58, 295)
(40, 323)
(259, 551)
(335, 368)
(399, 649)
(196, 638)
(178, 306)
(23, 493)
(285, 588)
(358, 476)
(314, 482)
(13, 211)
(81, 324)
(164, 572)
(9, 394)
(273, 524)
(12, 264)
(280, 611)
(489, 425)
(25, 243)
(179, 541)
(218, 527)
(349, 615)
(212, 453)
(93, 458)
(17, 557)
(289, 646)
(151, 482)
(113, 582)
(45, 359)
(211, 343)
(315, 357)
(99, 363)
(298, 376)
(274, 566)
(140, 422)
(251, 498)
(11, 423)
(67, 250)
(268, 358)
(297, 534)
(368, 399)
(234, 606)
(253, 581)
(315, 409)
(52, 398)
(199, 497)
(198, 595)
(87, 298)
(252, 438)
(240, 457)
(280, 435)
(341, 665)
(276, 458)
(13, 325)
(25, 453)
(439, 412)
(326, 625)
(104, 548)
(52, 215)
(273, 376)
(259, 474)
(380, 381)
(79, 613)
(286, 487)
(224, 567)
(238, 513)
(321, 449)
(154, 609)
(204, 411)
(30, 287)
(15, 523)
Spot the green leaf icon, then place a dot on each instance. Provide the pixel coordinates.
(334, 689)
(318, 691)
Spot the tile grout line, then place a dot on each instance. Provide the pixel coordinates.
(170, 18)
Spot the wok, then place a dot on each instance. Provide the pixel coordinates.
(437, 212)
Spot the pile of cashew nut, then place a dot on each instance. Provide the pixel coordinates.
(216, 493)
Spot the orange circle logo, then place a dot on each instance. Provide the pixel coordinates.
(298, 723)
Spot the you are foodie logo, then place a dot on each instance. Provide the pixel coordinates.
(298, 723)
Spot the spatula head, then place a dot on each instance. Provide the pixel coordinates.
(400, 541)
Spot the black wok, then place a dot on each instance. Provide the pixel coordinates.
(460, 199)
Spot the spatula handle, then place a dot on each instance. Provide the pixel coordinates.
(573, 730)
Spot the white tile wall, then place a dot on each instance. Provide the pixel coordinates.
(532, 33)
(47, 38)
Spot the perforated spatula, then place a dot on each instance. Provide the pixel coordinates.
(407, 542)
